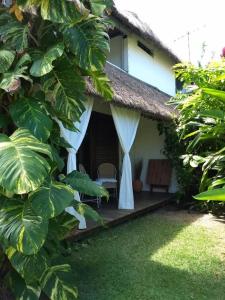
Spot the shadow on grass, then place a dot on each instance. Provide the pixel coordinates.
(119, 264)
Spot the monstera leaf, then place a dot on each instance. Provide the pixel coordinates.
(22, 168)
(89, 42)
(69, 91)
(13, 32)
(83, 184)
(21, 227)
(30, 267)
(30, 114)
(56, 283)
(51, 201)
(43, 65)
(59, 11)
(6, 60)
(63, 11)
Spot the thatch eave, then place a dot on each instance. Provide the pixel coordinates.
(140, 28)
(133, 93)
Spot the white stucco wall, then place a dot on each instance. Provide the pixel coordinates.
(148, 144)
(155, 70)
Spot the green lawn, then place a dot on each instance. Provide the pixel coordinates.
(159, 256)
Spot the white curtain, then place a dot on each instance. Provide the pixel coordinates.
(75, 139)
(126, 122)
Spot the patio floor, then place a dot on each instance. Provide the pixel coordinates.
(144, 202)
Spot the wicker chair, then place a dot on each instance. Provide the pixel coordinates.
(107, 177)
(96, 200)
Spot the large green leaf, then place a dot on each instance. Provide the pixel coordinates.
(30, 267)
(88, 40)
(22, 168)
(13, 33)
(43, 65)
(88, 212)
(215, 93)
(69, 91)
(83, 184)
(50, 201)
(57, 283)
(6, 60)
(102, 85)
(215, 195)
(98, 6)
(61, 226)
(59, 11)
(10, 81)
(21, 290)
(21, 227)
(30, 114)
(63, 11)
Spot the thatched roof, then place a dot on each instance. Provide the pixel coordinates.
(136, 94)
(135, 25)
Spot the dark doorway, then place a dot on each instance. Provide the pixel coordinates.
(100, 144)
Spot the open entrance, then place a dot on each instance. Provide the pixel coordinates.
(100, 144)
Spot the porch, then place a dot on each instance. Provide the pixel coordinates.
(144, 203)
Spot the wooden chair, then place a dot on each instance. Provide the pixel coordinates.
(159, 174)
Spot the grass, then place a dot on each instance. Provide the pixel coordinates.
(154, 257)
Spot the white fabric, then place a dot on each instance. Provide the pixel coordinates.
(75, 139)
(126, 122)
(102, 180)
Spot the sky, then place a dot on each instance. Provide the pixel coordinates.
(171, 20)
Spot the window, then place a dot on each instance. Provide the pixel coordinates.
(144, 48)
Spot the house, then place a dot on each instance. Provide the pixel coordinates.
(125, 130)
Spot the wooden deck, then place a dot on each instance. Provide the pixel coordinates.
(144, 203)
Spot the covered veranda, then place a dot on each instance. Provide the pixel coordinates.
(134, 111)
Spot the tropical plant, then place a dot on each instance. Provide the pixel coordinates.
(47, 50)
(201, 124)
(174, 149)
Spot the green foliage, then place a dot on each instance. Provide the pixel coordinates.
(58, 196)
(31, 114)
(88, 42)
(98, 6)
(48, 49)
(174, 149)
(21, 227)
(13, 33)
(201, 125)
(82, 183)
(6, 60)
(23, 168)
(43, 65)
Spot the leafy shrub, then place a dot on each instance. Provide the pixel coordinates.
(174, 149)
(48, 48)
(201, 125)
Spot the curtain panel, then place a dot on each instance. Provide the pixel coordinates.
(75, 139)
(126, 123)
